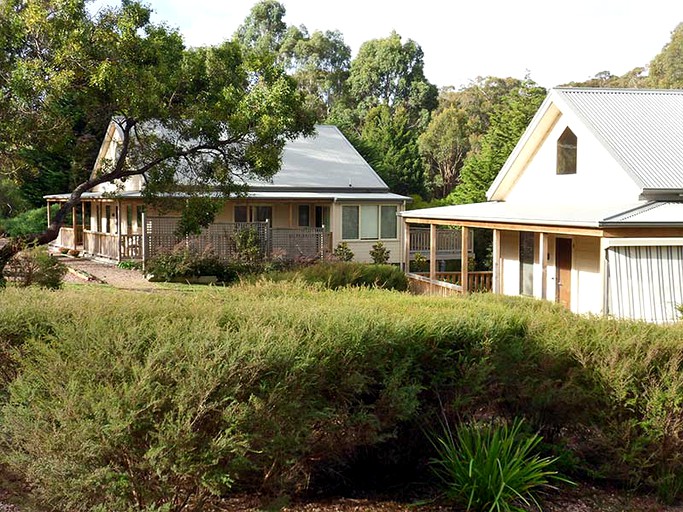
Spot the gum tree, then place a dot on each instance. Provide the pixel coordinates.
(211, 114)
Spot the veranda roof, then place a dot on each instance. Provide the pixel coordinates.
(636, 214)
(264, 195)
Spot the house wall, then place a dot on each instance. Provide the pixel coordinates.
(509, 262)
(598, 180)
(361, 248)
(587, 283)
(586, 280)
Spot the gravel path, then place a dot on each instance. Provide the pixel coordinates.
(87, 270)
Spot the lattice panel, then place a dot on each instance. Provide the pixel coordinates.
(220, 238)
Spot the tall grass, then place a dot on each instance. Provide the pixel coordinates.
(129, 400)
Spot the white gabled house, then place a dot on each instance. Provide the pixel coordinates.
(323, 194)
(588, 209)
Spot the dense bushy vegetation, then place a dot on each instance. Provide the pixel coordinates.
(182, 263)
(34, 266)
(280, 387)
(346, 273)
(31, 221)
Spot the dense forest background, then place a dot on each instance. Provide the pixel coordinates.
(439, 146)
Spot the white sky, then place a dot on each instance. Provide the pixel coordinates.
(555, 42)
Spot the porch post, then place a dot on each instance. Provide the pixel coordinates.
(406, 247)
(73, 226)
(118, 230)
(543, 253)
(322, 242)
(48, 212)
(496, 261)
(432, 255)
(144, 240)
(604, 273)
(464, 260)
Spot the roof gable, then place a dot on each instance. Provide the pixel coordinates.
(640, 129)
(643, 129)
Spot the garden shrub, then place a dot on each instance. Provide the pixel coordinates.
(419, 263)
(343, 252)
(340, 274)
(36, 267)
(247, 245)
(487, 466)
(183, 262)
(27, 223)
(379, 254)
(129, 265)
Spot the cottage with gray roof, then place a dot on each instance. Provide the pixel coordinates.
(323, 194)
(588, 209)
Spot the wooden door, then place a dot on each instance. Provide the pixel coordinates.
(563, 264)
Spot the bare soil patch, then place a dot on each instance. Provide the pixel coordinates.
(91, 271)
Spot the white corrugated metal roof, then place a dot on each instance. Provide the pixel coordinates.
(643, 129)
(654, 213)
(525, 213)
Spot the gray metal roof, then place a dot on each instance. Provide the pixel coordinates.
(556, 215)
(643, 129)
(330, 196)
(327, 160)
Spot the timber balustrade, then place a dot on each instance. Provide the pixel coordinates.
(481, 281)
(448, 242)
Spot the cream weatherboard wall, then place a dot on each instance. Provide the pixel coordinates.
(587, 284)
(509, 262)
(361, 248)
(586, 281)
(598, 178)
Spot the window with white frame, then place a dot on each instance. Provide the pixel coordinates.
(369, 222)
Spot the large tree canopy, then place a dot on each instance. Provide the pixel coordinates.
(443, 146)
(507, 124)
(666, 69)
(320, 65)
(390, 73)
(214, 113)
(387, 105)
(318, 62)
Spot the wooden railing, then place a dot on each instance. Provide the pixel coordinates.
(448, 242)
(130, 247)
(104, 245)
(481, 281)
(287, 243)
